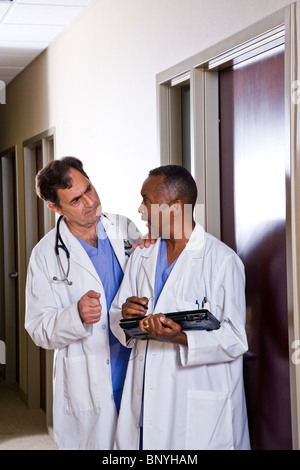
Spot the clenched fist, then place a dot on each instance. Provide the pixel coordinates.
(89, 307)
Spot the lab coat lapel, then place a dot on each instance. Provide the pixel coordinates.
(189, 256)
(149, 263)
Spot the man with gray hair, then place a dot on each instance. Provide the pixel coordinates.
(73, 275)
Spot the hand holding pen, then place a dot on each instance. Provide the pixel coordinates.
(135, 306)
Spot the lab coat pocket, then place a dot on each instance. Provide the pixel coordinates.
(191, 305)
(81, 391)
(209, 421)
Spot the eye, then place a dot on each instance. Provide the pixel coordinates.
(75, 202)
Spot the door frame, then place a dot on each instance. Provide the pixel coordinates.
(47, 141)
(202, 71)
(10, 261)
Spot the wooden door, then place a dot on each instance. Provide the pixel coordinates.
(253, 212)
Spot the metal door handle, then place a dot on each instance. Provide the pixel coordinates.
(14, 275)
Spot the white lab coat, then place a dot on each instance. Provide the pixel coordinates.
(194, 395)
(84, 412)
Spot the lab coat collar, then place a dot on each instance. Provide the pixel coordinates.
(114, 234)
(193, 251)
(77, 252)
(196, 242)
(194, 247)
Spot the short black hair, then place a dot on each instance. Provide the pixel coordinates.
(55, 176)
(178, 180)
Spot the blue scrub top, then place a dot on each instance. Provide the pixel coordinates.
(162, 270)
(162, 273)
(111, 275)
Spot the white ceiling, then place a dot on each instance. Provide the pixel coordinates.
(27, 27)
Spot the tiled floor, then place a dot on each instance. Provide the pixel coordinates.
(20, 427)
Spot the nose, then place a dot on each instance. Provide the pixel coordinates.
(143, 208)
(143, 211)
(88, 201)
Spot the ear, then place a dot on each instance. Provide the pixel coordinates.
(55, 209)
(177, 208)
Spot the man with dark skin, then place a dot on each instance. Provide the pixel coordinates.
(164, 219)
(184, 388)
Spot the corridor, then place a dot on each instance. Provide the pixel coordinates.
(21, 428)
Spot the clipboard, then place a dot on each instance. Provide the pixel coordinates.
(201, 319)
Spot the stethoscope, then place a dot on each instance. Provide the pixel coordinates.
(59, 243)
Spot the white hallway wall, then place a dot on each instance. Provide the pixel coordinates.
(96, 84)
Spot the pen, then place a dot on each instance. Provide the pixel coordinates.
(145, 306)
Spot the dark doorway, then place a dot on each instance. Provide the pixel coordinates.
(9, 270)
(253, 223)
